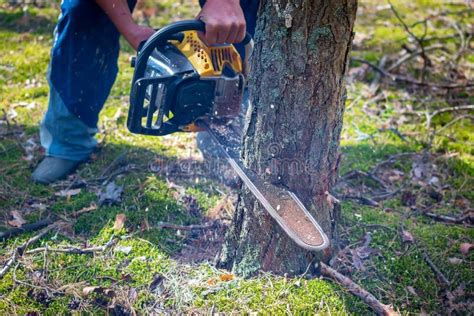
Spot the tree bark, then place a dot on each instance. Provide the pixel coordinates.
(292, 138)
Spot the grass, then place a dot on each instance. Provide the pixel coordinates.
(143, 269)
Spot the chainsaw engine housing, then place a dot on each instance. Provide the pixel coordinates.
(178, 80)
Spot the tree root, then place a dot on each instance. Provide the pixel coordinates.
(357, 290)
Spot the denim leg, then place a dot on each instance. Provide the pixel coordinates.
(63, 135)
(81, 73)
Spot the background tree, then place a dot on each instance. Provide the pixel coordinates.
(292, 139)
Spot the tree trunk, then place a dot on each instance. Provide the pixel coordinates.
(292, 137)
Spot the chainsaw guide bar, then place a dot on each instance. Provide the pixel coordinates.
(283, 205)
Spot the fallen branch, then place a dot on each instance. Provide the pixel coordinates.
(362, 200)
(20, 250)
(444, 282)
(418, 40)
(457, 119)
(390, 159)
(43, 223)
(429, 117)
(25, 228)
(449, 219)
(185, 227)
(118, 161)
(412, 55)
(47, 289)
(76, 250)
(358, 173)
(439, 275)
(398, 78)
(357, 290)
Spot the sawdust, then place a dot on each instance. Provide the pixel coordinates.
(293, 216)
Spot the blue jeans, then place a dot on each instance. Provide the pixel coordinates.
(81, 73)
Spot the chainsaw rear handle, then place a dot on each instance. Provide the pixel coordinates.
(170, 32)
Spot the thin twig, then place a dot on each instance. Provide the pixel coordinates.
(120, 159)
(398, 78)
(42, 223)
(391, 159)
(362, 200)
(412, 55)
(76, 250)
(444, 282)
(418, 40)
(441, 277)
(20, 250)
(430, 116)
(451, 123)
(449, 219)
(357, 290)
(359, 173)
(47, 289)
(185, 227)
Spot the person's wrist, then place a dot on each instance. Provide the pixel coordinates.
(130, 31)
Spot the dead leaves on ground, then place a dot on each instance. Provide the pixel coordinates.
(425, 186)
(17, 219)
(112, 194)
(119, 223)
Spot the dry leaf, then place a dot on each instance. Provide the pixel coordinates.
(411, 289)
(226, 277)
(408, 198)
(211, 282)
(157, 285)
(465, 248)
(119, 221)
(111, 195)
(407, 237)
(132, 294)
(17, 220)
(92, 207)
(91, 289)
(125, 249)
(99, 290)
(454, 260)
(68, 193)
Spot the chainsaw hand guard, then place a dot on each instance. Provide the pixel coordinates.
(178, 79)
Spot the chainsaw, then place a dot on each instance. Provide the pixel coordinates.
(182, 85)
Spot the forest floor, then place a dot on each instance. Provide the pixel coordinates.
(122, 241)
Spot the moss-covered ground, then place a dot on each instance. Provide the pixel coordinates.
(384, 245)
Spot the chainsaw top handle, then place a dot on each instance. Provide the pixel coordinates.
(170, 32)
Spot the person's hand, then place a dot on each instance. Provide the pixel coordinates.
(225, 22)
(137, 34)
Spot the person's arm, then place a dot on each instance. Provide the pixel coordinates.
(119, 13)
(225, 22)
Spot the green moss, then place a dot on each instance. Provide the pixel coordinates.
(273, 295)
(315, 35)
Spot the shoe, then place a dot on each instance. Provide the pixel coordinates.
(52, 169)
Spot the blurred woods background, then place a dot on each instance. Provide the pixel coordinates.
(136, 230)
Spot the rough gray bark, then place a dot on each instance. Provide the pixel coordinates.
(292, 139)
